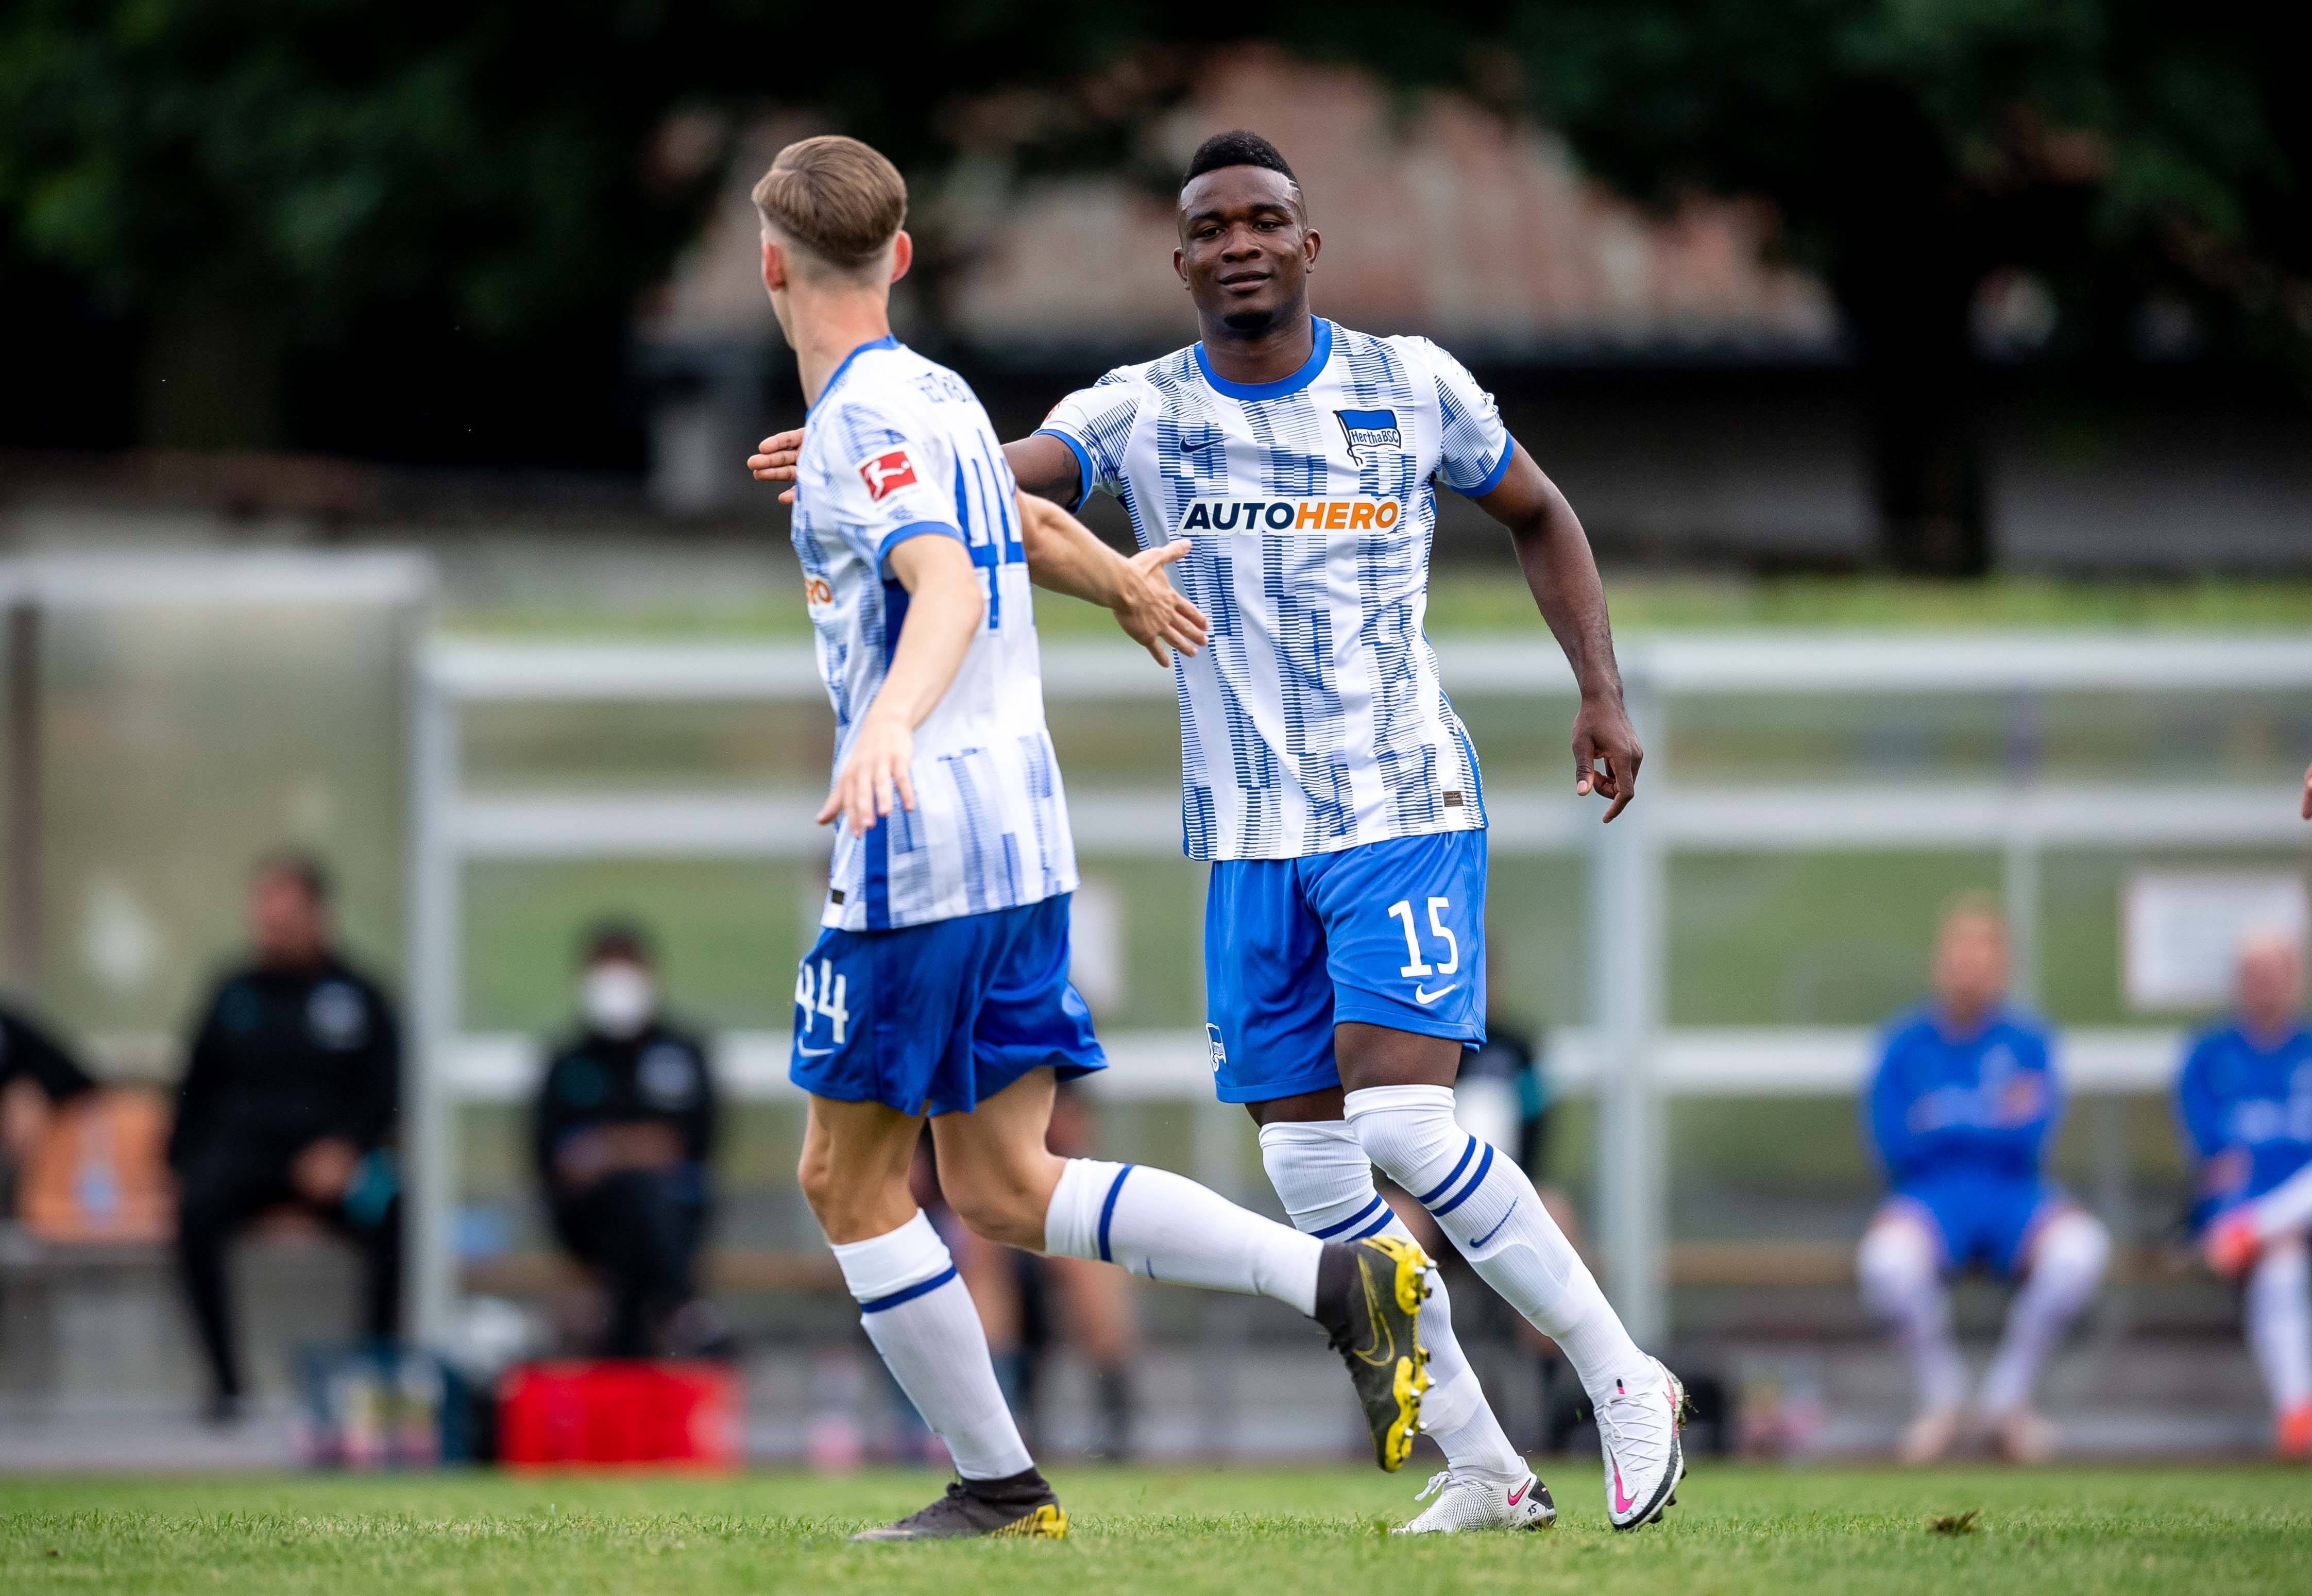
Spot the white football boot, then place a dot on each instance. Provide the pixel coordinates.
(1638, 1431)
(1467, 1502)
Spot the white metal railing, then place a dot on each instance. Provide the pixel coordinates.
(1627, 1054)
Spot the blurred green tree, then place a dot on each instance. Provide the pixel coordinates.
(2133, 157)
(247, 179)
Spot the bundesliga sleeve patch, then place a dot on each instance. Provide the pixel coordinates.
(887, 472)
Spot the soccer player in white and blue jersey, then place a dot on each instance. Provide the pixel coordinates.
(938, 989)
(1330, 785)
(1327, 779)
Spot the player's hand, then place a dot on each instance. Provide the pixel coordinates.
(1155, 614)
(1606, 753)
(879, 772)
(774, 460)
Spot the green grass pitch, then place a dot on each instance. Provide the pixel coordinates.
(2077, 1531)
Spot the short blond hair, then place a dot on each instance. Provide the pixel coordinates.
(837, 199)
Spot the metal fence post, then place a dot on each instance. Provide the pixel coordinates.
(1627, 928)
(428, 1109)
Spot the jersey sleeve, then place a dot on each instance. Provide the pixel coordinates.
(1886, 1108)
(1094, 423)
(876, 480)
(1473, 442)
(2199, 1108)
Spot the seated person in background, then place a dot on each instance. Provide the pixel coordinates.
(624, 1126)
(36, 1075)
(1960, 1114)
(2244, 1099)
(289, 1094)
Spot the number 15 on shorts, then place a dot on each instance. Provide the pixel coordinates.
(1415, 967)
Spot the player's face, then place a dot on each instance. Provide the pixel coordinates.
(1245, 247)
(1971, 963)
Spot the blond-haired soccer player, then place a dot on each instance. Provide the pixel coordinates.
(939, 984)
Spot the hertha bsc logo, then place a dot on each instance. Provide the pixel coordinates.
(887, 473)
(1369, 429)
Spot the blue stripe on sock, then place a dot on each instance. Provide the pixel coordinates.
(1438, 1191)
(1107, 1211)
(1358, 1217)
(908, 1294)
(1378, 1225)
(1475, 1180)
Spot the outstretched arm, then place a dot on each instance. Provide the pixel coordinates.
(1554, 554)
(1064, 553)
(945, 607)
(1067, 557)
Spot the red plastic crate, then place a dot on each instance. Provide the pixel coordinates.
(613, 1413)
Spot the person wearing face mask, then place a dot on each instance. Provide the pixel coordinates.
(623, 1129)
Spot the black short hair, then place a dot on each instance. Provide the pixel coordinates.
(305, 869)
(617, 939)
(1238, 147)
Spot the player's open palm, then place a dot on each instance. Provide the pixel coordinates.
(877, 773)
(1155, 614)
(1606, 754)
(774, 460)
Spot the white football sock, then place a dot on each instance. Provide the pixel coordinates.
(920, 1317)
(2280, 1323)
(1167, 1227)
(1899, 1268)
(1321, 1171)
(2067, 1264)
(1489, 1207)
(2287, 1208)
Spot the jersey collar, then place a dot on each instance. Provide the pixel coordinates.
(1318, 355)
(887, 341)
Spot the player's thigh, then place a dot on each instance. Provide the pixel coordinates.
(1268, 998)
(1405, 934)
(994, 1168)
(1913, 1226)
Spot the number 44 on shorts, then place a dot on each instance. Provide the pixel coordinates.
(823, 997)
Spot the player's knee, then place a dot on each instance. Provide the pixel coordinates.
(998, 1205)
(2075, 1246)
(1897, 1260)
(821, 1178)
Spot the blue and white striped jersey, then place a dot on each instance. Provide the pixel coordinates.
(897, 447)
(1315, 721)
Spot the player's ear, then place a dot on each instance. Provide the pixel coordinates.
(774, 265)
(1312, 241)
(1180, 265)
(902, 254)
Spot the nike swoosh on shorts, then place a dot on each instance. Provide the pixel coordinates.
(1426, 999)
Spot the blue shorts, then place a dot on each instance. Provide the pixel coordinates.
(1390, 934)
(1983, 1218)
(932, 1019)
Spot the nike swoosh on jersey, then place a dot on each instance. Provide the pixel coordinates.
(1425, 997)
(813, 1052)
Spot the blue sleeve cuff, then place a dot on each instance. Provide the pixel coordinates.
(1501, 469)
(1085, 475)
(914, 529)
